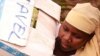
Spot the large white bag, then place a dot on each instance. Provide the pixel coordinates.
(15, 19)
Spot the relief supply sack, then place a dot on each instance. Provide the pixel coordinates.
(15, 20)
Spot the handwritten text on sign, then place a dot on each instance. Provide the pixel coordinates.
(16, 19)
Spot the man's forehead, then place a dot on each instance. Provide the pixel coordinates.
(74, 29)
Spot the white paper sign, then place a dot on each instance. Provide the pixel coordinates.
(15, 19)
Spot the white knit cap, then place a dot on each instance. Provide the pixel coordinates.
(84, 17)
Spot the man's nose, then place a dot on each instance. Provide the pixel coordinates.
(67, 36)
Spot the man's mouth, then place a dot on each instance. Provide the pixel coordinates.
(66, 47)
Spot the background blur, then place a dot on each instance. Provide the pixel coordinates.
(66, 5)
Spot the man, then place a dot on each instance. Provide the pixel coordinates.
(81, 24)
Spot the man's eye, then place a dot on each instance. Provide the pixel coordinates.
(66, 29)
(78, 37)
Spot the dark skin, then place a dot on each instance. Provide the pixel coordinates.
(69, 40)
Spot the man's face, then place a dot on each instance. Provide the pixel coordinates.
(71, 38)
